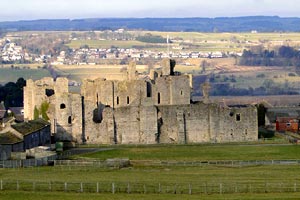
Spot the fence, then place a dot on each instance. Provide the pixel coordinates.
(119, 163)
(239, 163)
(152, 188)
(27, 163)
(115, 163)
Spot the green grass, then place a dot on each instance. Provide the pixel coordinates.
(155, 174)
(257, 176)
(7, 74)
(72, 196)
(200, 152)
(104, 43)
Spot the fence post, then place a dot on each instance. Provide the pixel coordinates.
(295, 187)
(50, 187)
(128, 188)
(175, 189)
(33, 186)
(18, 187)
(145, 189)
(266, 187)
(81, 187)
(113, 188)
(159, 188)
(97, 187)
(1, 185)
(190, 189)
(280, 186)
(221, 188)
(66, 186)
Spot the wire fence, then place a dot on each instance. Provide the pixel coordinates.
(120, 163)
(126, 163)
(28, 162)
(234, 163)
(152, 188)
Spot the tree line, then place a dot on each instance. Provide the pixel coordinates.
(283, 56)
(12, 93)
(149, 38)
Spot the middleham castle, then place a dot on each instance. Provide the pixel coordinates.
(156, 109)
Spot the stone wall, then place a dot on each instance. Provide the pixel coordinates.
(171, 90)
(197, 123)
(65, 109)
(132, 111)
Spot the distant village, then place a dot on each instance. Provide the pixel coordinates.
(11, 52)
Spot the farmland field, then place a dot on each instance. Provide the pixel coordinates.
(78, 196)
(254, 179)
(197, 41)
(105, 43)
(8, 74)
(200, 152)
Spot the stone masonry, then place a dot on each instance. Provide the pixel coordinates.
(152, 110)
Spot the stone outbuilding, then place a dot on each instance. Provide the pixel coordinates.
(23, 136)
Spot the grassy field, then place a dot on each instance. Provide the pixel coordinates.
(230, 41)
(105, 43)
(256, 177)
(280, 76)
(197, 36)
(166, 175)
(196, 41)
(201, 152)
(78, 196)
(8, 74)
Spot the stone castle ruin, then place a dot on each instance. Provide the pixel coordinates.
(151, 110)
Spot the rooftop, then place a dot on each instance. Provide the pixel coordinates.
(26, 128)
(9, 138)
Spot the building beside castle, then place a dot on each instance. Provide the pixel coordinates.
(152, 110)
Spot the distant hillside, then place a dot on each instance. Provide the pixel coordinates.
(224, 24)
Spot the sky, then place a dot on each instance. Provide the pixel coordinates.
(12, 10)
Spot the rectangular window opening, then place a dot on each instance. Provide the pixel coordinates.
(238, 117)
(158, 98)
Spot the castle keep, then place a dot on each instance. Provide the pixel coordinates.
(156, 109)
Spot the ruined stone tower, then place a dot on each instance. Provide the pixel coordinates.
(61, 108)
(137, 111)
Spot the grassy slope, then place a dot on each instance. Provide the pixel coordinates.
(7, 74)
(201, 152)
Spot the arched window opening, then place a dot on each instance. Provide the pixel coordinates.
(49, 92)
(62, 106)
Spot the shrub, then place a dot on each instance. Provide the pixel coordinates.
(263, 133)
(291, 74)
